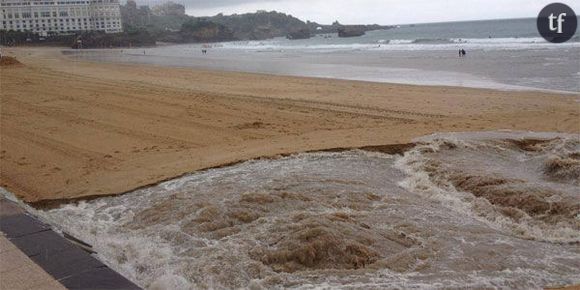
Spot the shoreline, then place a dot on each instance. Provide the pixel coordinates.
(305, 185)
(61, 53)
(393, 149)
(205, 119)
(395, 71)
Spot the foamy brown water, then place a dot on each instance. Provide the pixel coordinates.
(465, 210)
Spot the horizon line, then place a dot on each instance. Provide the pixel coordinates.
(409, 23)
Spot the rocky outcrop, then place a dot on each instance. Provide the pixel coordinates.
(336, 27)
(300, 34)
(165, 21)
(351, 31)
(260, 25)
(204, 31)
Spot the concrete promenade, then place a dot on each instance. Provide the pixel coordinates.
(33, 256)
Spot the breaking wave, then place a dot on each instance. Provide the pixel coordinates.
(479, 211)
(522, 183)
(333, 44)
(432, 40)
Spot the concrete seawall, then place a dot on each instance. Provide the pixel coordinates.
(70, 265)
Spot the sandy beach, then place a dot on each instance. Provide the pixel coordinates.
(77, 129)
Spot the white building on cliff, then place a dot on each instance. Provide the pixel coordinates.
(60, 16)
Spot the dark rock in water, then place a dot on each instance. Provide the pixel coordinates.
(336, 26)
(351, 31)
(299, 34)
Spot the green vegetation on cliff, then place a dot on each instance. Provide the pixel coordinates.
(260, 25)
(198, 30)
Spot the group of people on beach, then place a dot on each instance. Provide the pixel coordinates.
(462, 53)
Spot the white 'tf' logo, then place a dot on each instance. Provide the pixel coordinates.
(559, 19)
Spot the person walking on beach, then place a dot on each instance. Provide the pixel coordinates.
(463, 53)
(460, 55)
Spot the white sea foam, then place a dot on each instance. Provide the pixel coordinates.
(511, 43)
(418, 164)
(333, 220)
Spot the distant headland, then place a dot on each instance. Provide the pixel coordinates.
(168, 23)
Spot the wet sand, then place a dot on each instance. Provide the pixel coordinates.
(74, 129)
(538, 68)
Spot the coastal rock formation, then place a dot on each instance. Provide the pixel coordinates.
(164, 22)
(204, 31)
(300, 34)
(260, 25)
(351, 31)
(336, 27)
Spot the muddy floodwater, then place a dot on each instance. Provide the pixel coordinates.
(482, 210)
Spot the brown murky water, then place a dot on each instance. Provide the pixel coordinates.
(482, 210)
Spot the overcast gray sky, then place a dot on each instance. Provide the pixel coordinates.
(376, 11)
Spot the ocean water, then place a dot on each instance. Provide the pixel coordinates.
(502, 34)
(473, 210)
(502, 54)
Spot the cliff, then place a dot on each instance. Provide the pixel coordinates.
(204, 31)
(303, 33)
(260, 25)
(169, 23)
